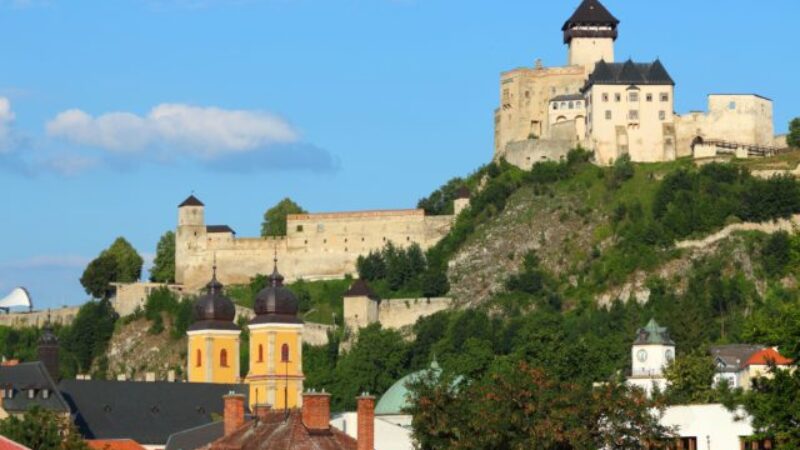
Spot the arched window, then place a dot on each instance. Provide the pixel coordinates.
(223, 358)
(285, 353)
(260, 353)
(199, 361)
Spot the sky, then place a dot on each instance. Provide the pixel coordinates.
(112, 112)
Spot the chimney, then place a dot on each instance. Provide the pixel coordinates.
(262, 410)
(366, 422)
(317, 411)
(234, 412)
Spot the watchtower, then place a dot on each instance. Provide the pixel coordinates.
(590, 34)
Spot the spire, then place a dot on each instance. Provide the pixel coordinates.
(590, 13)
(276, 279)
(191, 201)
(214, 287)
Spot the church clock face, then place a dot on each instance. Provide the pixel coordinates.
(642, 355)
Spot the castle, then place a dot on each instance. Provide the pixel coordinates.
(316, 246)
(618, 108)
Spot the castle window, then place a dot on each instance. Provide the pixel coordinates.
(199, 358)
(563, 105)
(299, 228)
(732, 105)
(633, 114)
(633, 96)
(608, 115)
(223, 358)
(579, 104)
(662, 115)
(555, 106)
(260, 353)
(285, 353)
(664, 97)
(764, 444)
(571, 105)
(31, 393)
(45, 394)
(605, 97)
(649, 97)
(527, 94)
(617, 98)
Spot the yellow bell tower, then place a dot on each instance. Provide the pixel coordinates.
(276, 347)
(213, 344)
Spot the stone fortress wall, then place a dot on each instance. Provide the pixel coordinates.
(316, 247)
(399, 313)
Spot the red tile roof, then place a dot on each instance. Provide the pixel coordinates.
(277, 432)
(114, 444)
(8, 444)
(766, 356)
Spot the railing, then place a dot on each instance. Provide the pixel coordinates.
(753, 150)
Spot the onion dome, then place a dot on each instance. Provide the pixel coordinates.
(213, 311)
(276, 303)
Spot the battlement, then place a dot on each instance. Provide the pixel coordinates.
(356, 214)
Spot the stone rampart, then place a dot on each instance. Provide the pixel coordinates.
(400, 313)
(788, 225)
(524, 154)
(62, 316)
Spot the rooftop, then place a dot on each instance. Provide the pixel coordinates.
(653, 334)
(766, 357)
(629, 73)
(360, 288)
(24, 377)
(8, 444)
(191, 201)
(219, 229)
(591, 12)
(114, 444)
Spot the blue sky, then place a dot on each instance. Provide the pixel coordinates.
(112, 112)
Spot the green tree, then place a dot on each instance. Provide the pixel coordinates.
(691, 380)
(274, 223)
(42, 430)
(99, 274)
(793, 138)
(622, 171)
(88, 336)
(129, 263)
(776, 412)
(163, 270)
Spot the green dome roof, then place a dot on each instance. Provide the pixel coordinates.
(396, 400)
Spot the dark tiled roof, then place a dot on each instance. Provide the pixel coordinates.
(219, 229)
(23, 377)
(148, 413)
(360, 288)
(277, 432)
(591, 12)
(567, 98)
(733, 356)
(196, 437)
(463, 192)
(630, 73)
(191, 201)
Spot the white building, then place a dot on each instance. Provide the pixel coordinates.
(708, 427)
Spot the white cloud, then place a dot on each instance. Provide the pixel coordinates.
(47, 262)
(6, 122)
(205, 132)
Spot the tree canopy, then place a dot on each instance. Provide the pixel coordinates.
(163, 270)
(43, 430)
(118, 263)
(793, 138)
(274, 223)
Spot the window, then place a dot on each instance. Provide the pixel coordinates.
(633, 114)
(664, 97)
(764, 444)
(571, 105)
(299, 228)
(199, 358)
(45, 394)
(649, 97)
(527, 94)
(31, 393)
(633, 96)
(732, 105)
(684, 443)
(223, 358)
(260, 353)
(579, 104)
(605, 97)
(662, 115)
(617, 98)
(285, 353)
(608, 115)
(555, 106)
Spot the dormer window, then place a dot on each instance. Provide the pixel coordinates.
(45, 394)
(31, 393)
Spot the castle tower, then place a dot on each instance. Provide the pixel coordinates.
(276, 347)
(590, 34)
(213, 347)
(651, 352)
(191, 233)
(462, 200)
(360, 306)
(48, 350)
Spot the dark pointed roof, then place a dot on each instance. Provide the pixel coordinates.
(360, 289)
(219, 229)
(25, 376)
(629, 73)
(276, 303)
(591, 12)
(191, 201)
(653, 334)
(213, 310)
(463, 192)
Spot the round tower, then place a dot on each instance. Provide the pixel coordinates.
(276, 347)
(590, 34)
(213, 344)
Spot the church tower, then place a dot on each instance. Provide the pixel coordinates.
(590, 34)
(190, 234)
(48, 350)
(276, 347)
(652, 351)
(213, 347)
